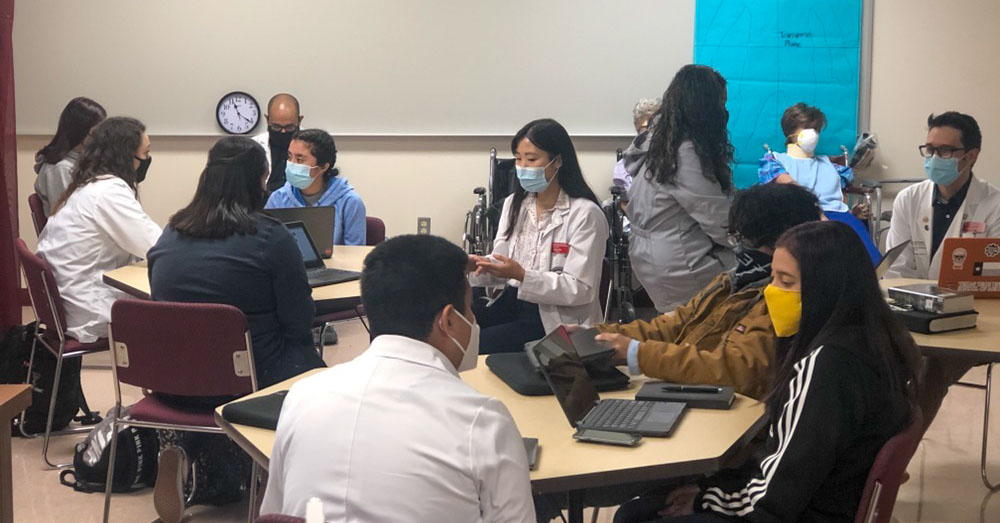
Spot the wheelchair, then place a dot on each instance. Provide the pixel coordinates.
(482, 220)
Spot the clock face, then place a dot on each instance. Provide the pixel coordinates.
(237, 113)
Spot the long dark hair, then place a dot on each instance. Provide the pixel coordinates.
(230, 191)
(322, 147)
(840, 291)
(693, 109)
(109, 149)
(551, 137)
(76, 120)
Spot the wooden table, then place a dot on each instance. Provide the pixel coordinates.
(981, 344)
(702, 442)
(13, 399)
(134, 279)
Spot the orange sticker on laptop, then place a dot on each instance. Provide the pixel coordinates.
(974, 227)
(560, 248)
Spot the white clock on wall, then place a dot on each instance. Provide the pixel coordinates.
(237, 113)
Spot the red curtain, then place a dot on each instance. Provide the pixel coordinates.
(10, 304)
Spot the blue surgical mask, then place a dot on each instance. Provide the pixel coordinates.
(297, 174)
(533, 178)
(942, 171)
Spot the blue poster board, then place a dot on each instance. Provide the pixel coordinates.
(775, 53)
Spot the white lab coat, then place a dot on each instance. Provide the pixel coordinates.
(396, 435)
(567, 289)
(101, 227)
(912, 215)
(262, 139)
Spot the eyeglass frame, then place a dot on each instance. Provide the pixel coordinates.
(922, 149)
(290, 128)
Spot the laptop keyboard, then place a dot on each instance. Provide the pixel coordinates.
(618, 415)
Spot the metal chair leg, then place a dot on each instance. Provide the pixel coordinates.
(111, 463)
(986, 430)
(52, 411)
(254, 487)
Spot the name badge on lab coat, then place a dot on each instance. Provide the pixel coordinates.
(560, 248)
(973, 227)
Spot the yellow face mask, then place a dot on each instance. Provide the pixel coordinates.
(785, 308)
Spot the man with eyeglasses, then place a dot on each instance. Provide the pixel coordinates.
(283, 121)
(949, 204)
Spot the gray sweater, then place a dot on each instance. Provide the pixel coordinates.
(53, 179)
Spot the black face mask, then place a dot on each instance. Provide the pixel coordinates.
(279, 141)
(140, 173)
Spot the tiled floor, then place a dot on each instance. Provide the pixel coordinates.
(944, 485)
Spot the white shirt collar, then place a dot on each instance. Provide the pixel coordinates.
(411, 350)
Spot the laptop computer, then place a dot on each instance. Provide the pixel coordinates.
(319, 222)
(317, 272)
(890, 257)
(971, 265)
(584, 408)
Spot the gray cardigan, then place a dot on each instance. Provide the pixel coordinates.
(53, 179)
(678, 241)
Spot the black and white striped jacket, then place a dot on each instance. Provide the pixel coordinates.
(837, 416)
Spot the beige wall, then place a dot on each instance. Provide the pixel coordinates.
(931, 56)
(399, 179)
(928, 57)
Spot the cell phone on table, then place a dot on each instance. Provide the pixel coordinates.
(607, 438)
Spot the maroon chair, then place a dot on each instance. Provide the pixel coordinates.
(184, 349)
(886, 474)
(279, 518)
(48, 308)
(374, 231)
(38, 217)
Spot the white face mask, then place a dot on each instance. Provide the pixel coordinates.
(808, 139)
(470, 354)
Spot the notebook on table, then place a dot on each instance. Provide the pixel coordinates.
(316, 271)
(319, 221)
(584, 408)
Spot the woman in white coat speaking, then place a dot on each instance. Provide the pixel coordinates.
(679, 199)
(98, 224)
(546, 264)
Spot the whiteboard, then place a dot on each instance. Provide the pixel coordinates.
(358, 67)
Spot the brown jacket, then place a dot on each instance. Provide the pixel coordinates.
(716, 338)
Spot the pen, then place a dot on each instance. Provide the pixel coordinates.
(702, 389)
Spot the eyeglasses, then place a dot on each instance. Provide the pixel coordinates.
(290, 128)
(737, 240)
(945, 151)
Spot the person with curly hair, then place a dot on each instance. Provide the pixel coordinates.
(680, 194)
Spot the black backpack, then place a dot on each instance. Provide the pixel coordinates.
(135, 461)
(15, 353)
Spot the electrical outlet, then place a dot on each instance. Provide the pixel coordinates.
(423, 225)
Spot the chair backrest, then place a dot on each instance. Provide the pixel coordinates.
(188, 349)
(42, 289)
(37, 213)
(886, 474)
(279, 518)
(374, 230)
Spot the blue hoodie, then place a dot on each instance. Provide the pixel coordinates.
(349, 227)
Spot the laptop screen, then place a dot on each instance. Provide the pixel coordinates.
(567, 376)
(309, 254)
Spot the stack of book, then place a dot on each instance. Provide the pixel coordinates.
(930, 309)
